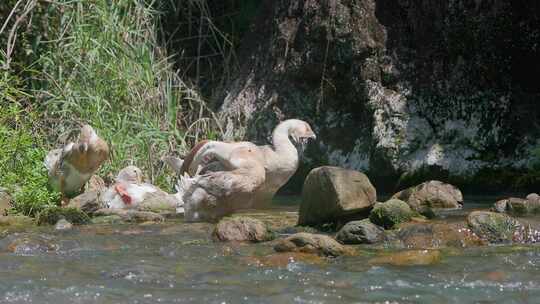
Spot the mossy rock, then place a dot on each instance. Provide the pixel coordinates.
(391, 213)
(495, 227)
(51, 215)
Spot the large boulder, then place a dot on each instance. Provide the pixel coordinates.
(391, 213)
(242, 229)
(495, 227)
(430, 196)
(360, 232)
(311, 243)
(332, 193)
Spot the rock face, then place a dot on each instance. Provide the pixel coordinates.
(431, 195)
(519, 206)
(391, 213)
(311, 243)
(494, 227)
(360, 232)
(242, 229)
(390, 86)
(331, 193)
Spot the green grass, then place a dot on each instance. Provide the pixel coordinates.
(98, 62)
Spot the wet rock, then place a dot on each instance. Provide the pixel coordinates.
(332, 193)
(159, 202)
(243, 229)
(360, 232)
(107, 220)
(5, 201)
(427, 197)
(51, 216)
(518, 206)
(16, 220)
(63, 225)
(391, 213)
(409, 258)
(88, 202)
(437, 235)
(27, 244)
(494, 227)
(128, 215)
(311, 243)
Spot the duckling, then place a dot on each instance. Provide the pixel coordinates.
(72, 166)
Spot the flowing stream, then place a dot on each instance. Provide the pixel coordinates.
(175, 262)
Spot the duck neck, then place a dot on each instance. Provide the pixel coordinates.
(282, 144)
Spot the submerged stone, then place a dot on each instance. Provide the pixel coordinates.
(332, 193)
(243, 229)
(62, 225)
(409, 258)
(283, 259)
(311, 243)
(437, 235)
(360, 232)
(391, 213)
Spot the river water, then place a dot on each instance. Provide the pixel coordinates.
(175, 262)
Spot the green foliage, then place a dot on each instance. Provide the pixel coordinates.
(51, 215)
(21, 162)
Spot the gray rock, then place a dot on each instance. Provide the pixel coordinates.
(391, 213)
(311, 243)
(360, 232)
(494, 227)
(63, 224)
(107, 220)
(129, 215)
(88, 201)
(331, 193)
(430, 196)
(243, 229)
(518, 206)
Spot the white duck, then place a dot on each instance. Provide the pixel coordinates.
(72, 166)
(238, 175)
(130, 192)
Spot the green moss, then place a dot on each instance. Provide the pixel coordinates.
(52, 215)
(391, 213)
